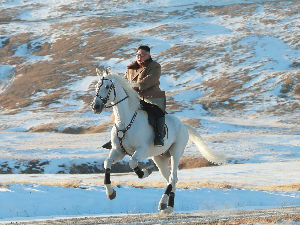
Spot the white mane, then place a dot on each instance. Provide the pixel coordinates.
(133, 97)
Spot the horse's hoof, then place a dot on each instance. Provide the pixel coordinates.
(147, 172)
(167, 211)
(112, 196)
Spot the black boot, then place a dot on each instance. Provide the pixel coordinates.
(107, 145)
(159, 132)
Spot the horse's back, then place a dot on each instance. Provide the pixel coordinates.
(176, 132)
(174, 122)
(176, 127)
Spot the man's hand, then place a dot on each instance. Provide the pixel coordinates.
(135, 86)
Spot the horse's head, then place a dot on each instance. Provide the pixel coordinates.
(105, 91)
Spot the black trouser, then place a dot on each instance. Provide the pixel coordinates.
(152, 110)
(156, 118)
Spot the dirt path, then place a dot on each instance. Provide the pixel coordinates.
(288, 215)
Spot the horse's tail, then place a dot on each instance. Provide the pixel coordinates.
(206, 153)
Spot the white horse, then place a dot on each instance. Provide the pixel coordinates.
(132, 135)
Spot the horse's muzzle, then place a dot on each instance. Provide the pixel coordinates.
(97, 108)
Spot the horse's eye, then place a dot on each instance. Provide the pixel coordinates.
(107, 86)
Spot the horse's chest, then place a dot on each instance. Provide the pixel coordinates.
(128, 148)
(125, 142)
(128, 139)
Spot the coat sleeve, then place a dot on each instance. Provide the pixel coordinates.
(151, 79)
(125, 76)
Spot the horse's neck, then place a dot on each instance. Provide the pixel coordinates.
(122, 112)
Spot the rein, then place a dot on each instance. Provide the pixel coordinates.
(111, 105)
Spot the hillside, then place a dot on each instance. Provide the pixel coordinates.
(232, 59)
(230, 68)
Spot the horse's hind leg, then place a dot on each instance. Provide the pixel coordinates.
(176, 152)
(166, 204)
(162, 162)
(114, 157)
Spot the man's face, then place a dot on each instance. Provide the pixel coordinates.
(142, 56)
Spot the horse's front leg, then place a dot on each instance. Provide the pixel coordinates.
(139, 155)
(114, 157)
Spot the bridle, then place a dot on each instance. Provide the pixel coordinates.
(112, 87)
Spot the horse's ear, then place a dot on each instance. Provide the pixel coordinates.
(107, 72)
(98, 72)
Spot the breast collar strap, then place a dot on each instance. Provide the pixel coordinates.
(121, 133)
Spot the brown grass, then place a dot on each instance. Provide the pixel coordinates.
(52, 127)
(71, 184)
(274, 219)
(161, 183)
(173, 106)
(192, 122)
(181, 184)
(191, 162)
(190, 184)
(235, 10)
(297, 90)
(284, 187)
(87, 130)
(288, 83)
(43, 128)
(4, 185)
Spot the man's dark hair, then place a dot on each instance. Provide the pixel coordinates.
(144, 47)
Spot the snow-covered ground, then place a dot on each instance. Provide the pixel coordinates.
(80, 195)
(40, 201)
(228, 187)
(251, 44)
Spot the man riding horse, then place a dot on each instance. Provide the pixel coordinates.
(144, 75)
(114, 91)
